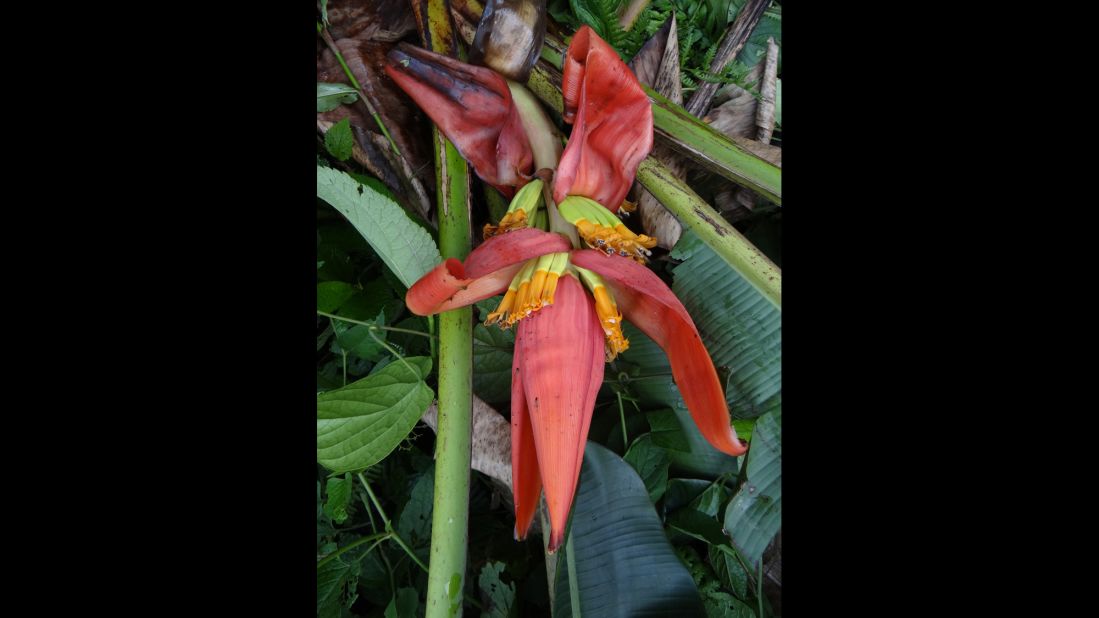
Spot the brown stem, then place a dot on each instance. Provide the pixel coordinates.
(735, 38)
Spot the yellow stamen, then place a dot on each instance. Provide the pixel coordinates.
(537, 284)
(531, 289)
(607, 310)
(603, 231)
(627, 206)
(514, 220)
(611, 320)
(502, 309)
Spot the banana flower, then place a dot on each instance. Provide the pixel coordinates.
(564, 334)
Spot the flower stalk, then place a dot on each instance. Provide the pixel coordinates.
(450, 512)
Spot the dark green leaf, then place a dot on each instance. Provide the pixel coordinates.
(338, 140)
(625, 565)
(329, 96)
(697, 525)
(361, 423)
(405, 605)
(339, 496)
(651, 463)
(500, 596)
(331, 580)
(667, 432)
(729, 570)
(699, 519)
(492, 353)
(359, 339)
(332, 294)
(724, 605)
(406, 248)
(700, 458)
(414, 525)
(682, 491)
(365, 304)
(755, 513)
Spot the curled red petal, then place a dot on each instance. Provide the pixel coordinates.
(526, 480)
(439, 285)
(486, 272)
(613, 119)
(648, 303)
(560, 352)
(511, 248)
(472, 106)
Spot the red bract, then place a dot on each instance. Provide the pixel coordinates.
(613, 119)
(648, 303)
(485, 273)
(558, 367)
(472, 106)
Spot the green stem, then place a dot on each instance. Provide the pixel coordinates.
(434, 337)
(366, 539)
(622, 415)
(393, 351)
(759, 587)
(450, 506)
(714, 230)
(374, 499)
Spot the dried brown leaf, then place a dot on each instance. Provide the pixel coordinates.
(370, 20)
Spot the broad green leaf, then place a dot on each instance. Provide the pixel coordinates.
(755, 513)
(724, 605)
(414, 525)
(332, 294)
(329, 96)
(406, 604)
(332, 578)
(338, 140)
(729, 570)
(358, 339)
(741, 329)
(375, 296)
(682, 491)
(667, 432)
(406, 248)
(699, 458)
(361, 423)
(699, 519)
(501, 596)
(323, 338)
(651, 463)
(625, 565)
(339, 496)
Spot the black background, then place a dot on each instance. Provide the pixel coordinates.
(188, 266)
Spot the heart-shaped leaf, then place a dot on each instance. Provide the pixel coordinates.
(361, 423)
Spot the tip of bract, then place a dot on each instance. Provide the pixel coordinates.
(556, 540)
